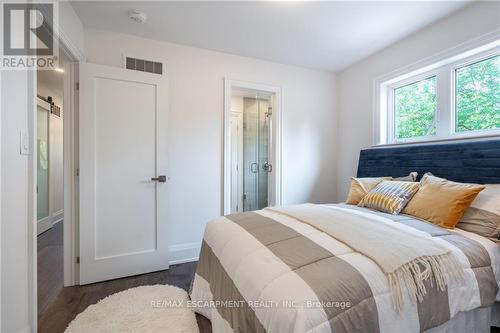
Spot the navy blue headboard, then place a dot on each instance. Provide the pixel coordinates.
(466, 162)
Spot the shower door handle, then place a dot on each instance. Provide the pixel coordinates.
(254, 168)
(267, 167)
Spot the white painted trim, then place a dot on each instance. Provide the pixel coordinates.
(70, 144)
(32, 202)
(454, 54)
(70, 183)
(182, 253)
(1, 103)
(275, 151)
(65, 45)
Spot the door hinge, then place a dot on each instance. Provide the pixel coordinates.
(78, 259)
(77, 85)
(78, 172)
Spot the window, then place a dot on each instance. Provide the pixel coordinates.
(456, 97)
(477, 95)
(415, 109)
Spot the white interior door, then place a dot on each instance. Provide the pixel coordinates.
(123, 145)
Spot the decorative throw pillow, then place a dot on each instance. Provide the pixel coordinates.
(410, 178)
(483, 215)
(361, 186)
(390, 196)
(441, 201)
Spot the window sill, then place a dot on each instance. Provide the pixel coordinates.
(458, 137)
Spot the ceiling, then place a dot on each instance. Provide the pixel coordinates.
(320, 35)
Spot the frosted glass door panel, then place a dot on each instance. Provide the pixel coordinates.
(42, 163)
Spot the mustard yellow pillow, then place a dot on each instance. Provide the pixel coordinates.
(390, 196)
(360, 187)
(441, 201)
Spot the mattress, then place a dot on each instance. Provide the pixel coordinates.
(266, 272)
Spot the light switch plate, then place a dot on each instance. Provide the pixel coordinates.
(24, 142)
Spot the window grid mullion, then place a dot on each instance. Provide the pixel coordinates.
(443, 102)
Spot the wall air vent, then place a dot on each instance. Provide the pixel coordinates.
(144, 65)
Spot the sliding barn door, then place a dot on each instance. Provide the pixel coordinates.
(123, 161)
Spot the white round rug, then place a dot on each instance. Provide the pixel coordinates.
(158, 308)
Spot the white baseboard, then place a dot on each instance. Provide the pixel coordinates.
(182, 253)
(57, 216)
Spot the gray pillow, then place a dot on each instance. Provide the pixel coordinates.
(483, 215)
(410, 178)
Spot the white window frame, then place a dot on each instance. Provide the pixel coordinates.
(469, 61)
(444, 67)
(391, 112)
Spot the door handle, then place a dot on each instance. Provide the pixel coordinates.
(160, 179)
(267, 167)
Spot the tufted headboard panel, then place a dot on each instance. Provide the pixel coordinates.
(466, 162)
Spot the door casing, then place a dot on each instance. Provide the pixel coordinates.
(275, 188)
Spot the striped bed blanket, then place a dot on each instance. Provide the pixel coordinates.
(265, 271)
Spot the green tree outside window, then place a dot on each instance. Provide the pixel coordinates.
(415, 109)
(477, 95)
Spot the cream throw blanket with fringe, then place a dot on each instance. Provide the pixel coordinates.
(407, 256)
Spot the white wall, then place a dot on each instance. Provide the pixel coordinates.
(355, 84)
(14, 204)
(16, 243)
(195, 126)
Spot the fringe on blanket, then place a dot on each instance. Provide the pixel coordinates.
(439, 269)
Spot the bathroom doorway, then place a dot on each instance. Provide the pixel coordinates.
(252, 144)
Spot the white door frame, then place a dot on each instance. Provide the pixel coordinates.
(275, 149)
(70, 223)
(70, 181)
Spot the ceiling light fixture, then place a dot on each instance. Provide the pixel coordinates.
(60, 70)
(137, 16)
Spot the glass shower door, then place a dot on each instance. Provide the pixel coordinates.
(263, 155)
(42, 163)
(255, 154)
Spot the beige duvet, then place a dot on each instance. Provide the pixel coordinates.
(267, 272)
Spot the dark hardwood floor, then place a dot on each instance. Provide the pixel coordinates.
(58, 306)
(50, 265)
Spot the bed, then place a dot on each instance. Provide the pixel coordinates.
(281, 270)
